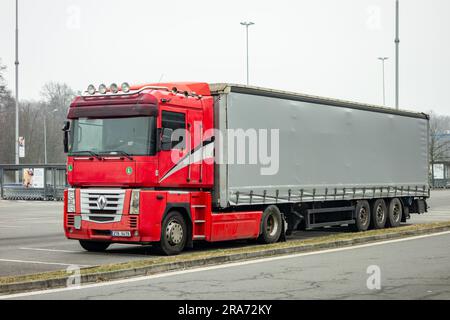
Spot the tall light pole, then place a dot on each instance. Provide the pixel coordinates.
(383, 59)
(45, 136)
(247, 24)
(397, 52)
(17, 83)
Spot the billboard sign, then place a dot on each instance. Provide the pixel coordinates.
(21, 147)
(438, 171)
(33, 178)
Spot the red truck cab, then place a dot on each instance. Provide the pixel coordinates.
(141, 171)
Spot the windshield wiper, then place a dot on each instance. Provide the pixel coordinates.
(89, 152)
(123, 153)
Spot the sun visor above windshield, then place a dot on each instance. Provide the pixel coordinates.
(113, 111)
(139, 105)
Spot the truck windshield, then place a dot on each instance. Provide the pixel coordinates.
(118, 136)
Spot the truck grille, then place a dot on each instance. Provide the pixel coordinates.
(102, 201)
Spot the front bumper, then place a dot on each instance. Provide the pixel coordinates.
(143, 227)
(85, 230)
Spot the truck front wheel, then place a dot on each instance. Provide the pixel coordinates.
(173, 234)
(94, 246)
(395, 213)
(362, 216)
(271, 225)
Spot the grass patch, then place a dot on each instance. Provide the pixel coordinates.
(199, 255)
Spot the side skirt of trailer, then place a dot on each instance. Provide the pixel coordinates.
(312, 215)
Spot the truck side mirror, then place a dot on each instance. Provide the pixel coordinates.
(66, 129)
(166, 139)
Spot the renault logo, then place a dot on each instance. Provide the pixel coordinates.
(102, 202)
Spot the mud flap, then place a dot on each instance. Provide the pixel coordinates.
(283, 229)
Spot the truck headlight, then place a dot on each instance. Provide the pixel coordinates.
(134, 201)
(71, 200)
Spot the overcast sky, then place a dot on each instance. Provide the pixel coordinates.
(322, 47)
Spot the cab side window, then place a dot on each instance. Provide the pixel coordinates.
(175, 121)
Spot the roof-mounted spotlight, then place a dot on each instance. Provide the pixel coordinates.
(91, 89)
(125, 87)
(102, 89)
(114, 88)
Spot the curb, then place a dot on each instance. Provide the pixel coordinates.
(189, 264)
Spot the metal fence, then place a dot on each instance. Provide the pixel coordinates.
(440, 183)
(33, 182)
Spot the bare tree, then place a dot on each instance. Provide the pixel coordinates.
(32, 114)
(3, 91)
(56, 101)
(6, 119)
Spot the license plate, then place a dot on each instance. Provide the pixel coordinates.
(122, 234)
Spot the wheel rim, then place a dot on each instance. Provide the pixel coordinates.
(396, 211)
(174, 233)
(363, 216)
(272, 225)
(380, 213)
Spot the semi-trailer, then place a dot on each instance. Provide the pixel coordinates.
(170, 164)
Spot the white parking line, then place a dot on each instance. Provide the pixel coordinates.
(437, 211)
(42, 262)
(3, 226)
(50, 250)
(223, 266)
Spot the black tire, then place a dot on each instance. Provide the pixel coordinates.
(174, 234)
(379, 214)
(395, 213)
(271, 225)
(362, 216)
(94, 246)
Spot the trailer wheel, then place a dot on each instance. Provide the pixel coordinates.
(94, 246)
(362, 216)
(395, 213)
(173, 234)
(379, 214)
(271, 225)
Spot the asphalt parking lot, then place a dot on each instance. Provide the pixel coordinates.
(32, 238)
(328, 274)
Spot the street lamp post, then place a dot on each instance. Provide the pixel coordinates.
(397, 53)
(383, 59)
(247, 24)
(45, 136)
(17, 84)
